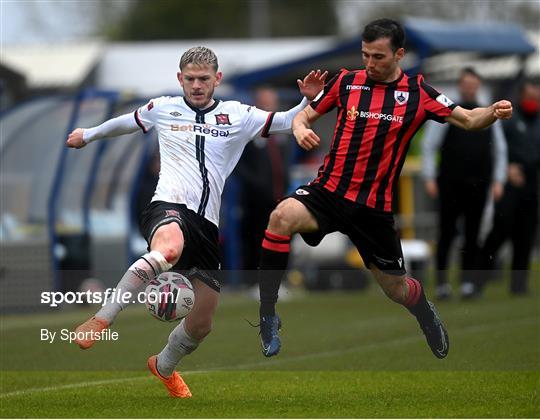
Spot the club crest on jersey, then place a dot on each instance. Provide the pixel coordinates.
(150, 106)
(352, 114)
(401, 97)
(222, 119)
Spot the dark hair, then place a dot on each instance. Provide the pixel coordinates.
(385, 28)
(469, 71)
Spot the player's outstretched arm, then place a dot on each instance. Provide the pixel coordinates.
(123, 124)
(305, 136)
(480, 118)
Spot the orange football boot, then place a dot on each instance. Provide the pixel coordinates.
(175, 384)
(93, 325)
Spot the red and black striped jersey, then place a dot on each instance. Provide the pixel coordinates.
(375, 124)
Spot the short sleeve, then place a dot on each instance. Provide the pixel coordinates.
(146, 115)
(256, 122)
(329, 97)
(436, 105)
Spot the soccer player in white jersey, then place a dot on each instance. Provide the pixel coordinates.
(200, 142)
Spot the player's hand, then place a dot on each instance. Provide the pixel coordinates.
(431, 188)
(312, 84)
(306, 138)
(516, 177)
(75, 139)
(502, 110)
(497, 190)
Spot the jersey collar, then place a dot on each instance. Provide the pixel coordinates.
(202, 111)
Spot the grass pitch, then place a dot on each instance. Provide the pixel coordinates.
(344, 355)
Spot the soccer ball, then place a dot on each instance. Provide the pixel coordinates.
(169, 297)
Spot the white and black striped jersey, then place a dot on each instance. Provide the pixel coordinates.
(200, 148)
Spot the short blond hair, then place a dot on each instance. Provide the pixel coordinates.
(201, 56)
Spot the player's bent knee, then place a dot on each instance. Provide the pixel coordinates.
(289, 217)
(279, 222)
(169, 242)
(171, 254)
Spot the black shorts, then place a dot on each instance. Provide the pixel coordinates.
(372, 231)
(201, 256)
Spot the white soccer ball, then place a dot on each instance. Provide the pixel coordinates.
(170, 297)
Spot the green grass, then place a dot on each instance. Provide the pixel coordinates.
(344, 355)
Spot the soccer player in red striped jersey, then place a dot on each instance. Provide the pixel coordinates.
(379, 109)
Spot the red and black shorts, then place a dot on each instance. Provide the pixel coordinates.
(372, 231)
(201, 256)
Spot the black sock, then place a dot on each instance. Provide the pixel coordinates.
(416, 301)
(274, 260)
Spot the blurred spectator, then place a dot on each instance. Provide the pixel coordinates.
(263, 176)
(471, 162)
(516, 214)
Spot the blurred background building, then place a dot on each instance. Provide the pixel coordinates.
(66, 216)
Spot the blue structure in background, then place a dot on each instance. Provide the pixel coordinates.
(60, 178)
(430, 37)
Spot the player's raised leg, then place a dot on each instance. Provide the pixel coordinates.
(410, 293)
(166, 248)
(289, 217)
(184, 339)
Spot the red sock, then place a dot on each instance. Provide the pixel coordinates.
(415, 292)
(274, 259)
(275, 242)
(416, 301)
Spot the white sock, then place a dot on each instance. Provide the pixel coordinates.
(180, 343)
(146, 268)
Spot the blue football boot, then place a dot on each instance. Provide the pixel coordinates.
(436, 334)
(269, 331)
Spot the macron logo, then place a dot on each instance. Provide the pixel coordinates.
(357, 87)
